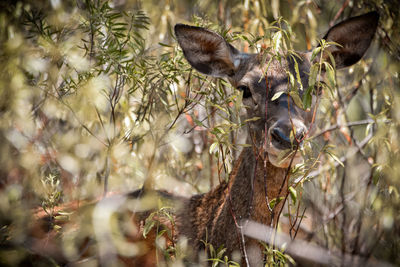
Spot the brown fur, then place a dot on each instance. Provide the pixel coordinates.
(210, 217)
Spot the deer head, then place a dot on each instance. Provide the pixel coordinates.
(282, 125)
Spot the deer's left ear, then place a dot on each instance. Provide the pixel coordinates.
(355, 36)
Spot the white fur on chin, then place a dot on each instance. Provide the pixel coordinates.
(284, 164)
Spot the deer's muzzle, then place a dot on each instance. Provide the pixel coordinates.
(285, 139)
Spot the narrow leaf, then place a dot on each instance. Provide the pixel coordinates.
(313, 75)
(307, 98)
(212, 147)
(315, 52)
(330, 74)
(296, 98)
(276, 40)
(336, 158)
(293, 194)
(296, 68)
(277, 95)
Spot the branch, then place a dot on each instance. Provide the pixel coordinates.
(345, 4)
(305, 250)
(338, 126)
(352, 152)
(75, 116)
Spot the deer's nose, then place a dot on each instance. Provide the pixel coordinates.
(280, 135)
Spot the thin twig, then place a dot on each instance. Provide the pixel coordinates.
(350, 154)
(76, 117)
(298, 226)
(338, 126)
(345, 4)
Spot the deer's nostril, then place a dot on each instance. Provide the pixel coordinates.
(300, 134)
(280, 137)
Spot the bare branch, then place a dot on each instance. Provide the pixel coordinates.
(305, 250)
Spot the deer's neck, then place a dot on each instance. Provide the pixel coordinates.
(252, 185)
(213, 216)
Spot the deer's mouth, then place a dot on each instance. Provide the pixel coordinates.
(282, 151)
(283, 158)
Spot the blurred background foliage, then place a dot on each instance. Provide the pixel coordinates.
(96, 99)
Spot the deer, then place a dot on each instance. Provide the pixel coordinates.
(259, 174)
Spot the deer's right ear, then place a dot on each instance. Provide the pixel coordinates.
(207, 51)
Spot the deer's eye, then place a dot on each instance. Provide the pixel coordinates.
(246, 91)
(319, 86)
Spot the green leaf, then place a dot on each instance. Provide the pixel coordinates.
(296, 99)
(330, 74)
(292, 81)
(212, 251)
(252, 119)
(165, 45)
(313, 75)
(213, 147)
(293, 194)
(307, 98)
(315, 52)
(376, 176)
(221, 252)
(296, 68)
(275, 202)
(217, 130)
(61, 217)
(335, 158)
(276, 40)
(332, 59)
(148, 226)
(198, 123)
(277, 95)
